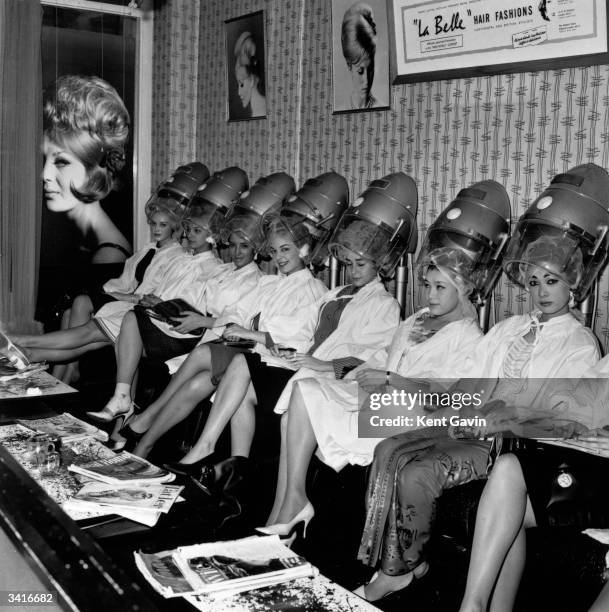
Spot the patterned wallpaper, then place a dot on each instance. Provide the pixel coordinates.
(518, 129)
(174, 97)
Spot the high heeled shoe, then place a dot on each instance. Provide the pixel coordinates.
(129, 438)
(191, 469)
(289, 531)
(418, 572)
(15, 355)
(118, 406)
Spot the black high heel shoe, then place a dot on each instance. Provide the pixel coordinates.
(130, 439)
(191, 469)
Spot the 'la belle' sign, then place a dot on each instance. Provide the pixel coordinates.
(436, 39)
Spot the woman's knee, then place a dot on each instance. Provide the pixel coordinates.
(198, 386)
(507, 469)
(82, 304)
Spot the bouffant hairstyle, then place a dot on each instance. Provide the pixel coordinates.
(358, 33)
(245, 57)
(85, 115)
(174, 217)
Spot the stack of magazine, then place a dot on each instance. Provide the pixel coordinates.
(66, 427)
(222, 569)
(126, 485)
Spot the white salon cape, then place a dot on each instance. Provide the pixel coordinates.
(367, 324)
(186, 279)
(229, 294)
(110, 315)
(287, 305)
(333, 405)
(563, 348)
(127, 283)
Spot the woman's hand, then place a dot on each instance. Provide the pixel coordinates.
(236, 332)
(149, 300)
(188, 321)
(369, 379)
(301, 360)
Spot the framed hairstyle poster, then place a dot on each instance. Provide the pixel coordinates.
(360, 55)
(439, 39)
(246, 74)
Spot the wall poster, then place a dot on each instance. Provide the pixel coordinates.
(438, 39)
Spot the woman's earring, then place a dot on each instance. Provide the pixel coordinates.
(571, 299)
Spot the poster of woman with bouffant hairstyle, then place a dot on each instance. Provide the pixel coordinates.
(245, 67)
(360, 55)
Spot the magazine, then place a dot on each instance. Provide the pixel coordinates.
(66, 427)
(9, 371)
(123, 468)
(79, 510)
(168, 310)
(158, 498)
(313, 593)
(234, 566)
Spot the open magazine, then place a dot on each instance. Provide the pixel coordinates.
(222, 567)
(123, 468)
(168, 310)
(66, 427)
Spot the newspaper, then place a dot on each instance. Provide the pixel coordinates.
(123, 468)
(222, 567)
(66, 427)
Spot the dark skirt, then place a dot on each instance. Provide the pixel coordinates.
(565, 486)
(99, 298)
(159, 345)
(221, 356)
(268, 381)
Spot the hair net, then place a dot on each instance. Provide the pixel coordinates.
(559, 256)
(295, 228)
(167, 206)
(361, 238)
(457, 267)
(204, 215)
(246, 225)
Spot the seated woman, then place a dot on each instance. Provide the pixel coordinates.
(140, 333)
(189, 269)
(225, 294)
(548, 343)
(141, 269)
(354, 321)
(323, 414)
(171, 197)
(282, 308)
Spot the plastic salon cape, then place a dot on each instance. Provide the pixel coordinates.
(367, 324)
(184, 277)
(111, 314)
(333, 405)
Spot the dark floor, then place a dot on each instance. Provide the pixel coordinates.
(559, 556)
